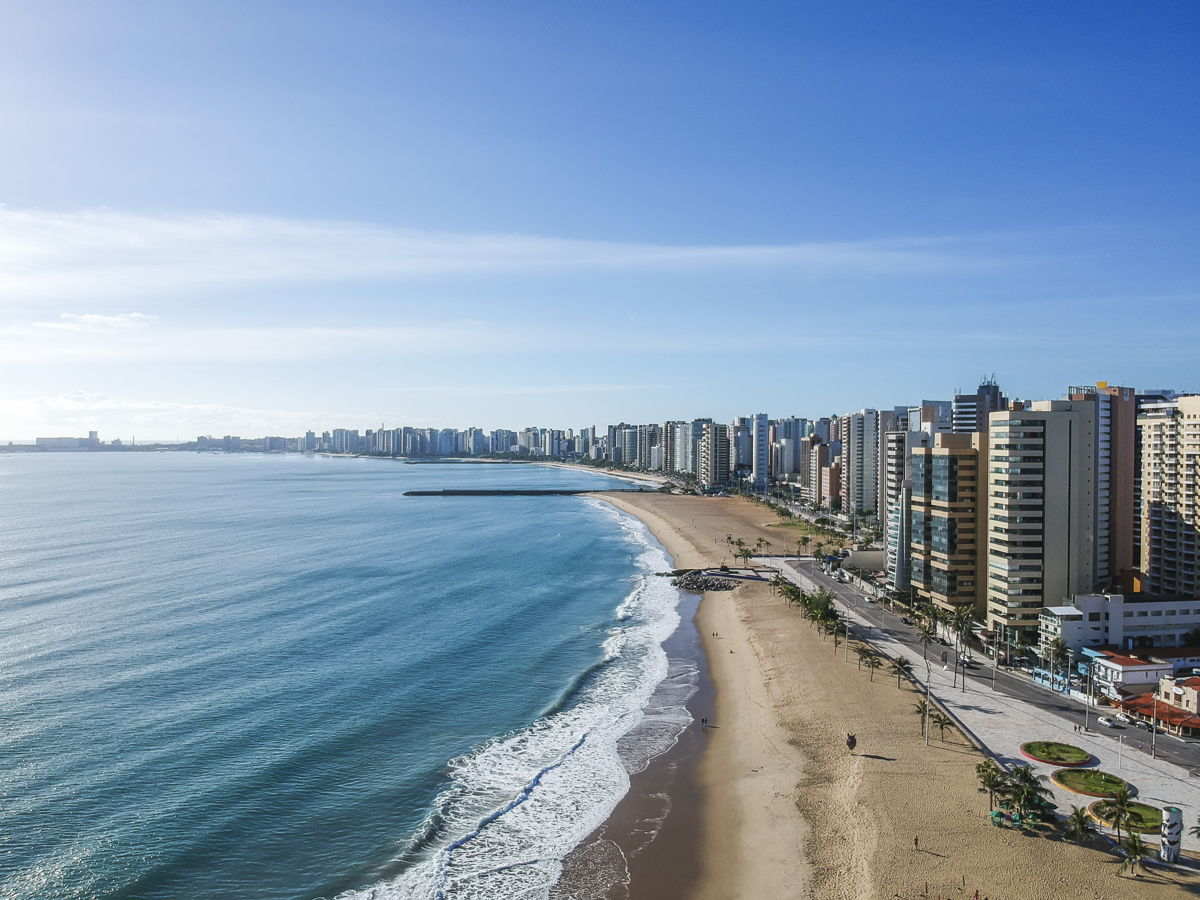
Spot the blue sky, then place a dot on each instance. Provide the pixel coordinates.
(254, 217)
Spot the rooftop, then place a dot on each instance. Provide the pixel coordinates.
(1118, 659)
(1146, 705)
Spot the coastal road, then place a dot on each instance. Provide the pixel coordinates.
(1168, 747)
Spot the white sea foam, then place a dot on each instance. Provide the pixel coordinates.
(519, 804)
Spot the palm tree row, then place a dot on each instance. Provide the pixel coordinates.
(741, 550)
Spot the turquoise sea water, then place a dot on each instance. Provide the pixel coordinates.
(263, 677)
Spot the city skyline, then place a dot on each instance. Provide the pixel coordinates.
(456, 215)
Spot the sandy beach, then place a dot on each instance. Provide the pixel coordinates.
(785, 811)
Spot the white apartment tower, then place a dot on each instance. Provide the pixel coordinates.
(860, 461)
(760, 458)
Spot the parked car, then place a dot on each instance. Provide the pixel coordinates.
(906, 620)
(1122, 717)
(1108, 722)
(1140, 724)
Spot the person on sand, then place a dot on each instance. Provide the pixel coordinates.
(916, 842)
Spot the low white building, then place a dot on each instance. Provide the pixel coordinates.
(1128, 621)
(1112, 672)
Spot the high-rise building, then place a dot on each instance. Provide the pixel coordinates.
(971, 411)
(791, 427)
(895, 512)
(741, 446)
(712, 456)
(587, 437)
(1170, 520)
(1115, 457)
(860, 461)
(816, 460)
(1041, 512)
(760, 450)
(627, 445)
(647, 440)
(948, 537)
(1148, 402)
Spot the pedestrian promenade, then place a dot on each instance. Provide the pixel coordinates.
(1002, 723)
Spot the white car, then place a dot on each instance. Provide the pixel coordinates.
(1108, 722)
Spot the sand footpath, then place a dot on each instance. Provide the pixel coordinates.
(787, 812)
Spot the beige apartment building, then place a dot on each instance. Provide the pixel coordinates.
(1170, 474)
(1041, 486)
(947, 544)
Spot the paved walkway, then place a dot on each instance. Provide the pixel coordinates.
(1003, 723)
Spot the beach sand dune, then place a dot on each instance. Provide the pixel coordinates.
(788, 812)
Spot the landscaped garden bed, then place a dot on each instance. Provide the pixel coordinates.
(1055, 754)
(1143, 818)
(1091, 782)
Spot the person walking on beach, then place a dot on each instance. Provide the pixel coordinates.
(916, 843)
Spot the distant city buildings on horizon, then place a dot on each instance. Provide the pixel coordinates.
(1008, 508)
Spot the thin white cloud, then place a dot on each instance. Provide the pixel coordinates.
(104, 254)
(97, 323)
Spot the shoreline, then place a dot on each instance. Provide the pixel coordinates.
(740, 775)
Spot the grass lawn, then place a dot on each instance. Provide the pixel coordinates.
(1054, 752)
(1143, 819)
(1089, 781)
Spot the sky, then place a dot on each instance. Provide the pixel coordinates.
(254, 217)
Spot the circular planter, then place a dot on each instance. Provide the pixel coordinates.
(1052, 753)
(1148, 819)
(1089, 782)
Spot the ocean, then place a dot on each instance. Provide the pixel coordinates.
(267, 677)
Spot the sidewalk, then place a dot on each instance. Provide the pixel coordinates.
(1003, 723)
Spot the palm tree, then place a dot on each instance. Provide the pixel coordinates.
(872, 663)
(1117, 809)
(942, 721)
(961, 622)
(863, 653)
(991, 779)
(761, 544)
(1079, 825)
(1026, 789)
(901, 668)
(921, 708)
(927, 637)
(837, 629)
(1135, 850)
(802, 544)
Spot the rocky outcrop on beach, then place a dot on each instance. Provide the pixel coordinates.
(698, 582)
